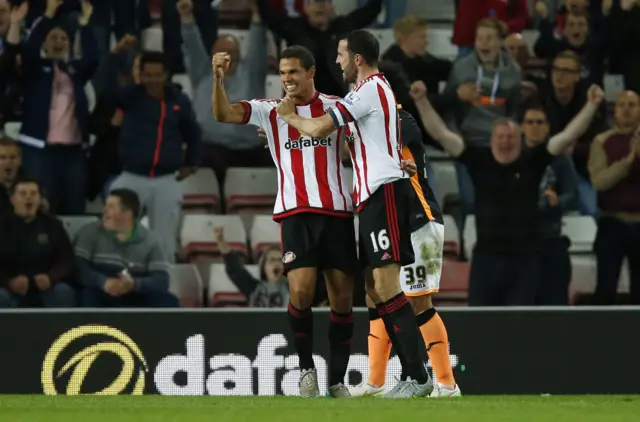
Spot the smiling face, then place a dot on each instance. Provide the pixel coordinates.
(56, 45)
(506, 144)
(297, 82)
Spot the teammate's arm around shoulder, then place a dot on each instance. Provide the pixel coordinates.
(317, 127)
(223, 110)
(450, 141)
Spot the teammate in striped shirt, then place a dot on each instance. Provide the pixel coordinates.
(422, 278)
(313, 208)
(382, 192)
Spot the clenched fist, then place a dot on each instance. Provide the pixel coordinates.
(286, 108)
(595, 95)
(220, 64)
(418, 90)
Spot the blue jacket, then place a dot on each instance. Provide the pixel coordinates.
(38, 82)
(153, 132)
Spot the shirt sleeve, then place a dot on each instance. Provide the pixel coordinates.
(354, 106)
(256, 112)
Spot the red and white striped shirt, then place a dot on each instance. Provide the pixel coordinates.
(311, 174)
(369, 114)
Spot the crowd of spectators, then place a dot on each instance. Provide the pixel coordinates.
(138, 135)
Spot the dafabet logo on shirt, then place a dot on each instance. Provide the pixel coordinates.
(307, 142)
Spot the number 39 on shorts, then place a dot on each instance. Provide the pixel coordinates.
(380, 240)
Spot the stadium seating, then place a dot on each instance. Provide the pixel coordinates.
(197, 239)
(201, 192)
(74, 223)
(581, 230)
(273, 86)
(250, 189)
(264, 233)
(469, 236)
(446, 182)
(222, 291)
(186, 284)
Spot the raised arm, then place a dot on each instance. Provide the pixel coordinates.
(223, 110)
(450, 141)
(579, 125)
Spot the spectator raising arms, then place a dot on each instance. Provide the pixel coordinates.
(36, 257)
(505, 264)
(226, 145)
(56, 111)
(271, 289)
(121, 263)
(318, 31)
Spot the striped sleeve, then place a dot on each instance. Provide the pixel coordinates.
(353, 107)
(256, 112)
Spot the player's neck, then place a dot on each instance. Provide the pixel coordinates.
(365, 72)
(310, 96)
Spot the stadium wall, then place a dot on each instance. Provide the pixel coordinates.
(246, 351)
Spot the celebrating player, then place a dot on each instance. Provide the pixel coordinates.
(382, 191)
(313, 208)
(422, 278)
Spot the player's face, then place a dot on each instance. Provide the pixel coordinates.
(346, 62)
(296, 80)
(535, 126)
(505, 143)
(488, 44)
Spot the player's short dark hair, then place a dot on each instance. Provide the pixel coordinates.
(301, 53)
(26, 181)
(364, 43)
(128, 200)
(155, 57)
(398, 80)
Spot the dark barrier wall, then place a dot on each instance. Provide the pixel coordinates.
(565, 351)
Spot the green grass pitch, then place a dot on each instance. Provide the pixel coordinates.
(290, 409)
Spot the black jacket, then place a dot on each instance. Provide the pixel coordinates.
(323, 44)
(624, 45)
(153, 132)
(39, 247)
(560, 115)
(430, 70)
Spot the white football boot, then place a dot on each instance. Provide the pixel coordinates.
(367, 389)
(440, 390)
(309, 383)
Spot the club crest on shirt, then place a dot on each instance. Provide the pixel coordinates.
(351, 98)
(288, 257)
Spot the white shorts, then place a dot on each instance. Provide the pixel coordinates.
(423, 276)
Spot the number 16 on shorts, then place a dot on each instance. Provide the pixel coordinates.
(380, 241)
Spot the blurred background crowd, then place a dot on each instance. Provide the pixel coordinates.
(118, 188)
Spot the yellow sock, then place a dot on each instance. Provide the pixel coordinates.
(437, 342)
(379, 350)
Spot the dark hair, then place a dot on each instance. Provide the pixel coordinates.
(579, 13)
(364, 43)
(152, 57)
(24, 181)
(7, 141)
(301, 53)
(128, 200)
(534, 107)
(398, 80)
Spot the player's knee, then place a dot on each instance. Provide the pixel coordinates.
(302, 287)
(387, 281)
(420, 303)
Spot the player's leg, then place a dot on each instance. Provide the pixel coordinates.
(419, 280)
(300, 267)
(339, 261)
(385, 235)
(379, 347)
